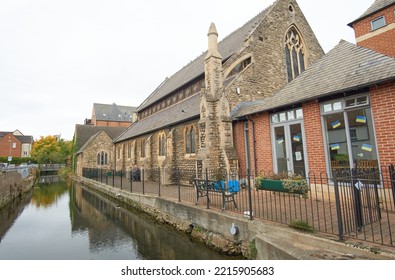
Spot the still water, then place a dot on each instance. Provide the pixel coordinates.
(60, 221)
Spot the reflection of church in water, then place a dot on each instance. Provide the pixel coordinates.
(110, 226)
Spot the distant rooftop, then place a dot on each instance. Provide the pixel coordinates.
(113, 112)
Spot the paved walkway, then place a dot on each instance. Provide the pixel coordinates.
(318, 210)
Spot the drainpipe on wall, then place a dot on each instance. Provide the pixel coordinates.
(253, 143)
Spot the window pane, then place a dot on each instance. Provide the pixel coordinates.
(363, 144)
(291, 115)
(193, 148)
(188, 142)
(351, 102)
(281, 152)
(288, 63)
(377, 23)
(275, 119)
(337, 106)
(283, 117)
(299, 114)
(337, 142)
(327, 108)
(362, 100)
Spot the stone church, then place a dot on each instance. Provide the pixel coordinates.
(267, 98)
(186, 122)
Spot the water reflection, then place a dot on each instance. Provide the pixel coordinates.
(60, 221)
(46, 194)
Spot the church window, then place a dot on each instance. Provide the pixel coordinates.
(240, 67)
(190, 145)
(102, 158)
(294, 54)
(129, 150)
(142, 146)
(119, 152)
(162, 145)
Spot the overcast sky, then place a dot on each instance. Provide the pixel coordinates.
(58, 57)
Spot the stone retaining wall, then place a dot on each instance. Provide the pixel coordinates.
(12, 185)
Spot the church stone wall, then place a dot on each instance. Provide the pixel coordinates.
(267, 73)
(88, 159)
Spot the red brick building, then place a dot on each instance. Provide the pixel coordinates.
(338, 114)
(375, 29)
(111, 115)
(15, 144)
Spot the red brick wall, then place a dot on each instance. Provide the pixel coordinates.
(5, 146)
(111, 123)
(264, 152)
(260, 126)
(314, 137)
(382, 42)
(383, 106)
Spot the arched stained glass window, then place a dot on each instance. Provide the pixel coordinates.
(294, 54)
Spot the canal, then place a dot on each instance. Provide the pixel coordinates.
(66, 221)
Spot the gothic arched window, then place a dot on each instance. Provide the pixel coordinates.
(294, 54)
(102, 158)
(190, 146)
(162, 145)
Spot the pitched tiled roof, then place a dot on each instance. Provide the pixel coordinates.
(113, 112)
(346, 67)
(376, 6)
(84, 132)
(86, 144)
(180, 112)
(25, 139)
(227, 47)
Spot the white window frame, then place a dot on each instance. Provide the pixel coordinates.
(381, 23)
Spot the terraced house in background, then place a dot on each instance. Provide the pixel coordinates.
(15, 144)
(267, 98)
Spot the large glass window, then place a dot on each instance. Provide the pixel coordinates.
(349, 134)
(288, 142)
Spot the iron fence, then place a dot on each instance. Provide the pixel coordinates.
(357, 204)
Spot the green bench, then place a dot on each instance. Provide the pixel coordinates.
(204, 187)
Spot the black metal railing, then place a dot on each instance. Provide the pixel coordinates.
(358, 204)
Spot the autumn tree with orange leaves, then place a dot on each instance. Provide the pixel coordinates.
(52, 149)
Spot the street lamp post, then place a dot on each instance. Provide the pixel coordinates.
(10, 155)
